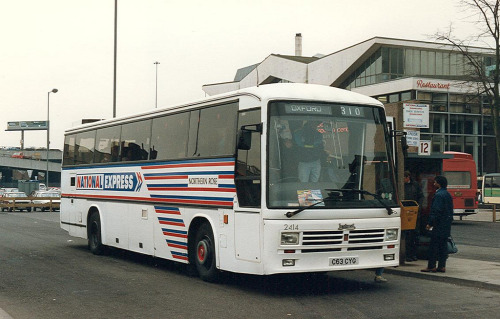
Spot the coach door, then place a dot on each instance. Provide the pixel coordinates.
(248, 187)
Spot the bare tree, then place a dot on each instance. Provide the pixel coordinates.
(485, 78)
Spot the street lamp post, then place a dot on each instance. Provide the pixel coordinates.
(156, 93)
(48, 136)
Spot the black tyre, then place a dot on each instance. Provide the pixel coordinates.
(94, 235)
(203, 254)
(28, 209)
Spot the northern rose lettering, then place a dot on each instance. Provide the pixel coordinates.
(203, 181)
(432, 85)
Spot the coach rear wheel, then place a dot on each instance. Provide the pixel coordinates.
(94, 235)
(204, 254)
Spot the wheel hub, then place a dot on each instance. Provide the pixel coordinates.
(202, 251)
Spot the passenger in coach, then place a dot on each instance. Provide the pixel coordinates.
(310, 150)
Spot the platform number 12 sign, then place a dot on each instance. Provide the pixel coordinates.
(424, 148)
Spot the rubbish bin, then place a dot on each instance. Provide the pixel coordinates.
(409, 214)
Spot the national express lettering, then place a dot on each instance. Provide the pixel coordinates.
(109, 181)
(89, 181)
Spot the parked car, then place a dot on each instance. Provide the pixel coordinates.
(7, 199)
(20, 155)
(55, 195)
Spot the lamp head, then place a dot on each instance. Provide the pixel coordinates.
(54, 90)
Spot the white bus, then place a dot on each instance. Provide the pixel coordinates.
(234, 183)
(490, 188)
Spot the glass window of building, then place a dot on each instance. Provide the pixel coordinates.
(446, 63)
(438, 143)
(486, 106)
(489, 155)
(439, 63)
(473, 104)
(424, 96)
(385, 60)
(471, 124)
(424, 63)
(456, 143)
(457, 103)
(409, 65)
(472, 146)
(439, 102)
(406, 96)
(488, 126)
(438, 123)
(431, 60)
(393, 98)
(457, 124)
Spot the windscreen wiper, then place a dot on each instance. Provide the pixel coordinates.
(295, 212)
(342, 190)
(363, 192)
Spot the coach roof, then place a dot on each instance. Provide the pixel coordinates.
(293, 91)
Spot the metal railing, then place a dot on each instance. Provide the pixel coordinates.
(21, 203)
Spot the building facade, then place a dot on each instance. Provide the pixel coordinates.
(397, 71)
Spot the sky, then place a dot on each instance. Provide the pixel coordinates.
(69, 45)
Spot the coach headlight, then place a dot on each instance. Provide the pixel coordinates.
(289, 238)
(391, 234)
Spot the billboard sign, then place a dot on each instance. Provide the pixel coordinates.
(415, 115)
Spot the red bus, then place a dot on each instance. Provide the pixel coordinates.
(460, 171)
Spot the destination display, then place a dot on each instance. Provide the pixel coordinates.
(26, 125)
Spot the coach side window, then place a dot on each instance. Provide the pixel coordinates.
(107, 145)
(135, 141)
(84, 147)
(217, 131)
(170, 136)
(69, 150)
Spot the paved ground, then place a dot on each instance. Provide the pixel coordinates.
(484, 215)
(477, 273)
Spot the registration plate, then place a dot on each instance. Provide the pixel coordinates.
(344, 261)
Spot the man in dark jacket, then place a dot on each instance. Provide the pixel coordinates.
(439, 223)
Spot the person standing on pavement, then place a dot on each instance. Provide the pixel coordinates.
(378, 275)
(439, 224)
(413, 191)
